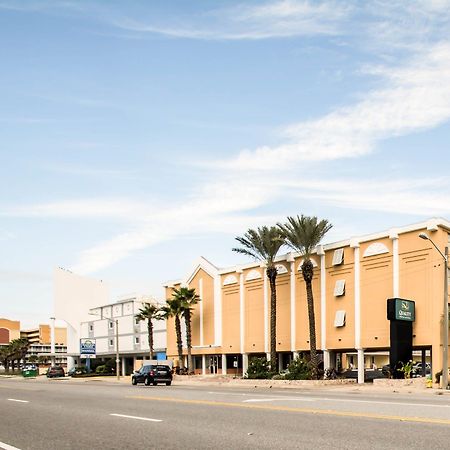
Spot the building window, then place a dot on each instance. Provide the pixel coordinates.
(111, 342)
(136, 321)
(339, 288)
(91, 327)
(338, 257)
(136, 340)
(339, 319)
(111, 325)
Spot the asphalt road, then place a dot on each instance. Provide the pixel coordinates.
(66, 414)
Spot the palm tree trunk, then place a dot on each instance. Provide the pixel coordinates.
(272, 275)
(150, 337)
(187, 318)
(308, 272)
(179, 341)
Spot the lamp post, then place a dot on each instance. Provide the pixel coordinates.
(445, 321)
(52, 341)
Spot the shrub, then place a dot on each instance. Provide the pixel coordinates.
(298, 369)
(258, 369)
(100, 369)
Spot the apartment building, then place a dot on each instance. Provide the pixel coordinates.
(120, 317)
(9, 330)
(352, 281)
(41, 345)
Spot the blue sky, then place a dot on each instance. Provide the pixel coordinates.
(137, 136)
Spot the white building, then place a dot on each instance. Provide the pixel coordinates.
(133, 335)
(84, 304)
(74, 296)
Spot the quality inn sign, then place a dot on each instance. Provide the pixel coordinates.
(405, 310)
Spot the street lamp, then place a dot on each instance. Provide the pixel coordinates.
(52, 341)
(445, 321)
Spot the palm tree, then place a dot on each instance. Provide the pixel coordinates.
(303, 233)
(188, 299)
(263, 244)
(18, 349)
(148, 312)
(173, 308)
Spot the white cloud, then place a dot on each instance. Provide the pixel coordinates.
(279, 19)
(81, 208)
(415, 97)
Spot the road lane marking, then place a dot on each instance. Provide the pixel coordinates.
(8, 447)
(262, 400)
(136, 417)
(327, 412)
(19, 401)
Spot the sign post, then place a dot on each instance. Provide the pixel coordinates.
(401, 313)
(88, 351)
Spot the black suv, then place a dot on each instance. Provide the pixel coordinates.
(152, 374)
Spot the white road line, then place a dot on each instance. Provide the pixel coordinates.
(137, 418)
(8, 447)
(19, 401)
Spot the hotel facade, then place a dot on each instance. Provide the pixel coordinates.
(352, 281)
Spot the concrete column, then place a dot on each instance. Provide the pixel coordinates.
(268, 356)
(323, 298)
(123, 366)
(280, 362)
(266, 309)
(355, 245)
(326, 360)
(291, 260)
(241, 311)
(134, 363)
(361, 366)
(395, 264)
(244, 363)
(203, 364)
(224, 364)
(70, 362)
(200, 293)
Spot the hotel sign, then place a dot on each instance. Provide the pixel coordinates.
(87, 347)
(401, 309)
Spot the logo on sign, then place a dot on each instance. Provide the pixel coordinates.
(87, 346)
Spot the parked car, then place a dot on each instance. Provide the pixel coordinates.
(76, 371)
(55, 372)
(417, 369)
(152, 374)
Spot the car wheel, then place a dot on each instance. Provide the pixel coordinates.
(168, 383)
(147, 381)
(134, 381)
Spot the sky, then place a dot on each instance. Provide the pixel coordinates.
(137, 136)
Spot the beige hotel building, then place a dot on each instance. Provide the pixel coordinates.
(352, 281)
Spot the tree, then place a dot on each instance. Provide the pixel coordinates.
(188, 299)
(173, 308)
(33, 359)
(263, 244)
(18, 350)
(148, 312)
(303, 233)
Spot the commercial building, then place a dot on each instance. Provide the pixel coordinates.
(352, 281)
(40, 343)
(9, 330)
(132, 333)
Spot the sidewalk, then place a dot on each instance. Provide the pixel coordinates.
(412, 386)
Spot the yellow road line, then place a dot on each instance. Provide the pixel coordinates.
(329, 412)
